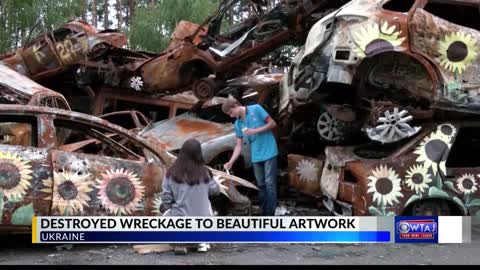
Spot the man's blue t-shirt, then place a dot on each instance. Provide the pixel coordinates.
(263, 145)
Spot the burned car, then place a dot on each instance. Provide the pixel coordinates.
(61, 172)
(217, 139)
(429, 174)
(200, 57)
(18, 89)
(389, 65)
(54, 52)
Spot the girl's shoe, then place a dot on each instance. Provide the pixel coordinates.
(181, 251)
(203, 247)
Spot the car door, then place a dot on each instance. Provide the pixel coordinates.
(92, 177)
(40, 56)
(24, 171)
(463, 169)
(447, 34)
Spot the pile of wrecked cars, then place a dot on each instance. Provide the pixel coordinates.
(391, 87)
(376, 114)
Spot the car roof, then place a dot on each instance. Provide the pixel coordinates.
(77, 117)
(23, 85)
(20, 83)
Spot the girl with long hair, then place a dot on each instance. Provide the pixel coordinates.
(187, 186)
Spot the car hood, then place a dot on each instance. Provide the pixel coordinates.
(172, 133)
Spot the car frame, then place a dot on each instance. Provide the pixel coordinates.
(53, 52)
(374, 62)
(47, 179)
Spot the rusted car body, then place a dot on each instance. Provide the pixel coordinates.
(18, 89)
(44, 179)
(431, 173)
(53, 52)
(390, 63)
(198, 51)
(127, 119)
(218, 140)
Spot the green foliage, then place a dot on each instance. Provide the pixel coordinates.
(152, 26)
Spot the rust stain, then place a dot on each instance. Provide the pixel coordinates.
(187, 126)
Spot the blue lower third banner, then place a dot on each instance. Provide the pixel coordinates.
(216, 237)
(158, 229)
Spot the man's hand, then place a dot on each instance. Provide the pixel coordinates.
(250, 131)
(223, 188)
(227, 166)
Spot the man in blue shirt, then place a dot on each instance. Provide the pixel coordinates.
(255, 125)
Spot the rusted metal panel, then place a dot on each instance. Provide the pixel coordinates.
(304, 174)
(22, 170)
(391, 182)
(174, 132)
(45, 181)
(183, 31)
(185, 101)
(45, 56)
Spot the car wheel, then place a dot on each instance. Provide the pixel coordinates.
(204, 89)
(331, 129)
(431, 208)
(391, 124)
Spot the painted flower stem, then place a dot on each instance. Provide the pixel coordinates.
(1, 206)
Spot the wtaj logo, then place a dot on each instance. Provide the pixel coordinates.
(411, 230)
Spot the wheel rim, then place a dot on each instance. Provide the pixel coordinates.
(203, 90)
(393, 126)
(327, 127)
(136, 83)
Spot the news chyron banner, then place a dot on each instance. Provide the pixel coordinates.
(251, 229)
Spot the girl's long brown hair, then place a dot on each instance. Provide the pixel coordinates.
(189, 167)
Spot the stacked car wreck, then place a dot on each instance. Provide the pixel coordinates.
(376, 114)
(404, 74)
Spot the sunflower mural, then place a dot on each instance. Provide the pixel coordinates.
(457, 51)
(466, 184)
(120, 191)
(157, 204)
(374, 36)
(431, 151)
(384, 184)
(68, 193)
(15, 176)
(307, 170)
(418, 178)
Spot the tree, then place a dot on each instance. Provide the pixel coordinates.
(106, 23)
(94, 13)
(152, 26)
(119, 14)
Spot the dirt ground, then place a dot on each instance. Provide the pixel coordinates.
(17, 250)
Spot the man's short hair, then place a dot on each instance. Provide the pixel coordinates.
(229, 104)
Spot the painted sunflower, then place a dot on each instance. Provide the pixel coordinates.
(374, 36)
(120, 191)
(307, 170)
(467, 183)
(418, 178)
(157, 203)
(384, 183)
(15, 176)
(457, 51)
(69, 192)
(431, 152)
(448, 130)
